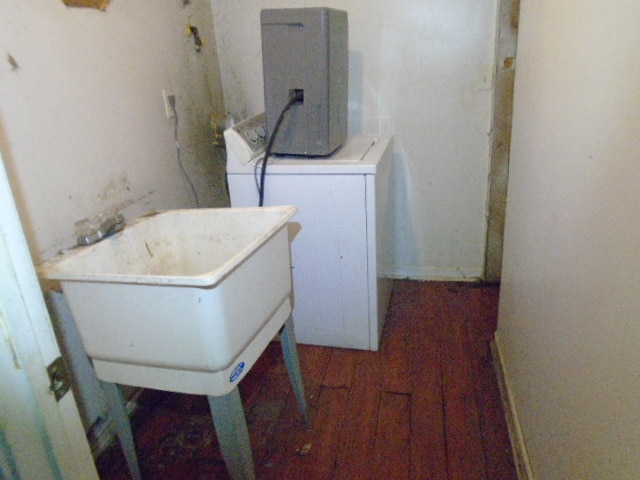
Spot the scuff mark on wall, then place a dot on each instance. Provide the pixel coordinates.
(12, 62)
(112, 209)
(116, 188)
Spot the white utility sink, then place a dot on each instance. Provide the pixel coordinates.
(181, 300)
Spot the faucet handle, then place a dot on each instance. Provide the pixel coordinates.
(110, 226)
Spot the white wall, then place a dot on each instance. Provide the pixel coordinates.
(82, 122)
(416, 71)
(83, 126)
(569, 326)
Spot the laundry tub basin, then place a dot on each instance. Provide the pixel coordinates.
(181, 300)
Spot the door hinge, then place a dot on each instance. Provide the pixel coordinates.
(58, 377)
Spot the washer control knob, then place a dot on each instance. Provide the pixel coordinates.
(260, 131)
(253, 136)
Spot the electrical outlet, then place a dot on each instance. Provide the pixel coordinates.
(168, 108)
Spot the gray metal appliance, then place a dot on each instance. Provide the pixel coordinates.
(305, 54)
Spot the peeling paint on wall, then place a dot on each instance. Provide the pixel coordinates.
(97, 4)
(101, 77)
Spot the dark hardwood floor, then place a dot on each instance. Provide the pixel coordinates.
(426, 406)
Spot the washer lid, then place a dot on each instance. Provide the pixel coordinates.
(360, 154)
(354, 150)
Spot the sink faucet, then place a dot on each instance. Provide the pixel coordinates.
(110, 226)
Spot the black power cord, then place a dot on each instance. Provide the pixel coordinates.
(298, 96)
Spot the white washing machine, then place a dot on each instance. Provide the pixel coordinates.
(341, 235)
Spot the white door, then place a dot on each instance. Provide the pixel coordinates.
(40, 438)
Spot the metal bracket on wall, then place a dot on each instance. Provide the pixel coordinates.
(58, 377)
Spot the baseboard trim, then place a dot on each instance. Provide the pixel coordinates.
(518, 446)
(436, 274)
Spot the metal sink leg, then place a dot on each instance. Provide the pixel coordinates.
(233, 435)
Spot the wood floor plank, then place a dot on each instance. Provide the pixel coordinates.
(397, 356)
(465, 455)
(313, 362)
(481, 307)
(264, 416)
(319, 461)
(340, 368)
(356, 450)
(428, 446)
(393, 438)
(290, 434)
(426, 407)
(428, 437)
(407, 297)
(267, 365)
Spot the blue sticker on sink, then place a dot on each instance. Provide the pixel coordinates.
(236, 372)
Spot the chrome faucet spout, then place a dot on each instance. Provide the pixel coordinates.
(110, 226)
